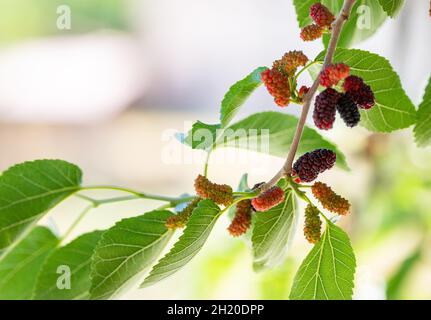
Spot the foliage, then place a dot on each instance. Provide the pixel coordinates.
(102, 264)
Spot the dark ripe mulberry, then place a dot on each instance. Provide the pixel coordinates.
(219, 193)
(360, 92)
(310, 164)
(278, 86)
(268, 199)
(311, 32)
(313, 224)
(329, 199)
(348, 110)
(181, 218)
(242, 219)
(321, 15)
(333, 74)
(290, 62)
(325, 108)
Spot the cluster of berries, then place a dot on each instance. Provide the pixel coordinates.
(278, 79)
(330, 201)
(219, 193)
(355, 94)
(323, 19)
(181, 218)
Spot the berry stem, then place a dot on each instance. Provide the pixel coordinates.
(337, 26)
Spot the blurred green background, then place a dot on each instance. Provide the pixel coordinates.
(389, 185)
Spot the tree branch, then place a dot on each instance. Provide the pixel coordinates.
(337, 26)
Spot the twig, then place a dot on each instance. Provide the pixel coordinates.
(337, 26)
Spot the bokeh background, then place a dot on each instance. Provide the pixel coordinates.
(110, 92)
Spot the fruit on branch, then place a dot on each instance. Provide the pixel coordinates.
(180, 220)
(312, 224)
(329, 199)
(321, 15)
(268, 199)
(325, 108)
(311, 32)
(310, 164)
(360, 92)
(219, 193)
(242, 219)
(290, 62)
(348, 110)
(333, 74)
(322, 18)
(278, 86)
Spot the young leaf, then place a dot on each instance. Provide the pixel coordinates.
(19, 267)
(126, 251)
(366, 18)
(393, 110)
(238, 94)
(76, 257)
(29, 190)
(202, 136)
(423, 126)
(392, 7)
(273, 232)
(302, 8)
(272, 132)
(188, 245)
(327, 273)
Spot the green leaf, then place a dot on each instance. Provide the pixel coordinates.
(238, 94)
(366, 18)
(202, 136)
(423, 126)
(302, 8)
(272, 132)
(76, 256)
(392, 7)
(126, 251)
(393, 110)
(29, 190)
(188, 245)
(327, 273)
(19, 267)
(273, 233)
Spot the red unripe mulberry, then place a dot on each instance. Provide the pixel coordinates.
(325, 108)
(333, 74)
(219, 193)
(359, 91)
(268, 199)
(312, 224)
(277, 84)
(242, 219)
(321, 15)
(329, 199)
(310, 164)
(311, 32)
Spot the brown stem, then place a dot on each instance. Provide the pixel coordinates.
(337, 26)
